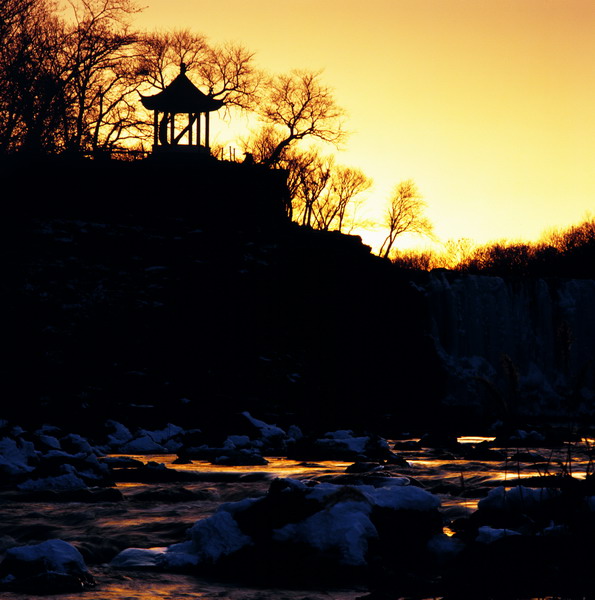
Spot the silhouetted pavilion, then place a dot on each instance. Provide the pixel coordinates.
(181, 96)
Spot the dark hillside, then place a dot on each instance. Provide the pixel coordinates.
(149, 292)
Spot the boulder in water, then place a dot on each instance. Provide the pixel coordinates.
(52, 567)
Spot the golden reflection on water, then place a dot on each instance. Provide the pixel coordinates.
(474, 439)
(276, 467)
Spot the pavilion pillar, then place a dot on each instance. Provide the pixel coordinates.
(155, 127)
(198, 132)
(207, 143)
(172, 133)
(190, 119)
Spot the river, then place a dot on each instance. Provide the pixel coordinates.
(157, 515)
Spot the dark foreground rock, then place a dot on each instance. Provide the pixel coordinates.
(52, 567)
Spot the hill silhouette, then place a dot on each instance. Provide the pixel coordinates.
(154, 291)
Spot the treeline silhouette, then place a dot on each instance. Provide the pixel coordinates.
(561, 253)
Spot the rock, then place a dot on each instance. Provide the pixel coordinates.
(119, 436)
(300, 532)
(17, 457)
(143, 444)
(52, 567)
(175, 494)
(440, 441)
(153, 472)
(68, 481)
(519, 566)
(138, 558)
(273, 438)
(343, 445)
(242, 457)
(75, 444)
(481, 452)
(120, 462)
(487, 535)
(364, 467)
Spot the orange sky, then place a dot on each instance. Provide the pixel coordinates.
(489, 105)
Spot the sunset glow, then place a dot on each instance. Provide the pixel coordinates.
(487, 105)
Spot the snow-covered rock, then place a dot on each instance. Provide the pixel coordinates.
(69, 480)
(119, 436)
(16, 456)
(213, 538)
(165, 435)
(236, 442)
(487, 535)
(49, 440)
(516, 499)
(444, 549)
(143, 441)
(243, 457)
(267, 432)
(138, 558)
(343, 445)
(343, 529)
(76, 444)
(143, 444)
(296, 526)
(52, 567)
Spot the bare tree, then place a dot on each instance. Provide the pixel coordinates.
(69, 75)
(31, 82)
(99, 51)
(456, 252)
(164, 52)
(226, 72)
(331, 208)
(230, 74)
(323, 194)
(405, 214)
(300, 106)
(261, 144)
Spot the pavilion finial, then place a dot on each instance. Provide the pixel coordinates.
(183, 68)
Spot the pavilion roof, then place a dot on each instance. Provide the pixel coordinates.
(181, 96)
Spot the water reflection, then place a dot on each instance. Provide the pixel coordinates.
(276, 467)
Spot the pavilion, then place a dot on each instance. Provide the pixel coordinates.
(181, 96)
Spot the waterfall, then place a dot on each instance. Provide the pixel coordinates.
(527, 342)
